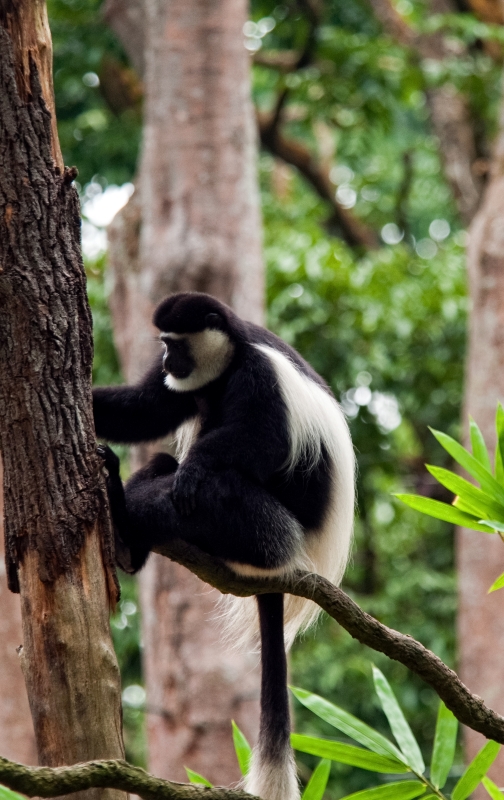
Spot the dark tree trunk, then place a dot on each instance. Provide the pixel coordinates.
(59, 552)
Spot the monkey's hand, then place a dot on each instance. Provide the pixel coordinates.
(111, 461)
(185, 486)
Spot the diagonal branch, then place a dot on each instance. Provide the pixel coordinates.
(295, 153)
(468, 708)
(56, 781)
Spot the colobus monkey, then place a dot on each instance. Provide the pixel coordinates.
(264, 479)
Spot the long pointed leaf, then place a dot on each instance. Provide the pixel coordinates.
(316, 786)
(443, 752)
(401, 790)
(348, 724)
(397, 721)
(242, 748)
(347, 754)
(478, 445)
(476, 770)
(195, 777)
(434, 508)
(469, 463)
(498, 584)
(493, 523)
(8, 794)
(492, 789)
(470, 494)
(499, 449)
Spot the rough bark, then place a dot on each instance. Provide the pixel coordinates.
(59, 551)
(46, 782)
(17, 738)
(192, 224)
(481, 558)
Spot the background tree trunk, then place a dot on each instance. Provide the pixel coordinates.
(59, 551)
(192, 224)
(17, 738)
(481, 558)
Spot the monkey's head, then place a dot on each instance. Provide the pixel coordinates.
(196, 333)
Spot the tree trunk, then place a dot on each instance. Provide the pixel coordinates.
(192, 224)
(17, 739)
(481, 558)
(59, 552)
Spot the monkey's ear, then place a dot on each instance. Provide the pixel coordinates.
(214, 320)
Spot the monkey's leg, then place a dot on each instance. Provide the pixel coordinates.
(234, 519)
(132, 549)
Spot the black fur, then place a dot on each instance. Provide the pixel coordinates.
(231, 496)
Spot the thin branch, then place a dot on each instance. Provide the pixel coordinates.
(56, 781)
(351, 229)
(468, 708)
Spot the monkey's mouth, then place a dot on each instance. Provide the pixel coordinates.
(178, 361)
(176, 370)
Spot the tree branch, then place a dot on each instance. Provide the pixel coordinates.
(56, 781)
(351, 229)
(468, 708)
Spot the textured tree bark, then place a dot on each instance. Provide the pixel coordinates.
(481, 558)
(59, 551)
(17, 738)
(192, 224)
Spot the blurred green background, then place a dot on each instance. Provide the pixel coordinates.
(386, 328)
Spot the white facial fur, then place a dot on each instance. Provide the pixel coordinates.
(212, 352)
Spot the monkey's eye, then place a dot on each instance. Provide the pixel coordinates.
(213, 320)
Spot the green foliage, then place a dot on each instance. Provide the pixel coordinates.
(8, 794)
(479, 509)
(92, 137)
(316, 786)
(195, 777)
(378, 754)
(443, 752)
(242, 749)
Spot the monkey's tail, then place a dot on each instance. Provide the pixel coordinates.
(272, 774)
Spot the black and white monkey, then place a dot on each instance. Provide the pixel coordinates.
(264, 479)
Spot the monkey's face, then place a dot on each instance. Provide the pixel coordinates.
(198, 346)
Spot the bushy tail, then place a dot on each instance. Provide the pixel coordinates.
(272, 775)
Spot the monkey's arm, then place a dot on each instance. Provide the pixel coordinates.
(132, 544)
(141, 413)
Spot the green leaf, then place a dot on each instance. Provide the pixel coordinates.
(346, 754)
(492, 523)
(194, 777)
(401, 790)
(242, 749)
(443, 752)
(348, 724)
(492, 789)
(8, 794)
(499, 449)
(478, 445)
(498, 584)
(397, 721)
(434, 508)
(473, 467)
(316, 786)
(476, 770)
(479, 502)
